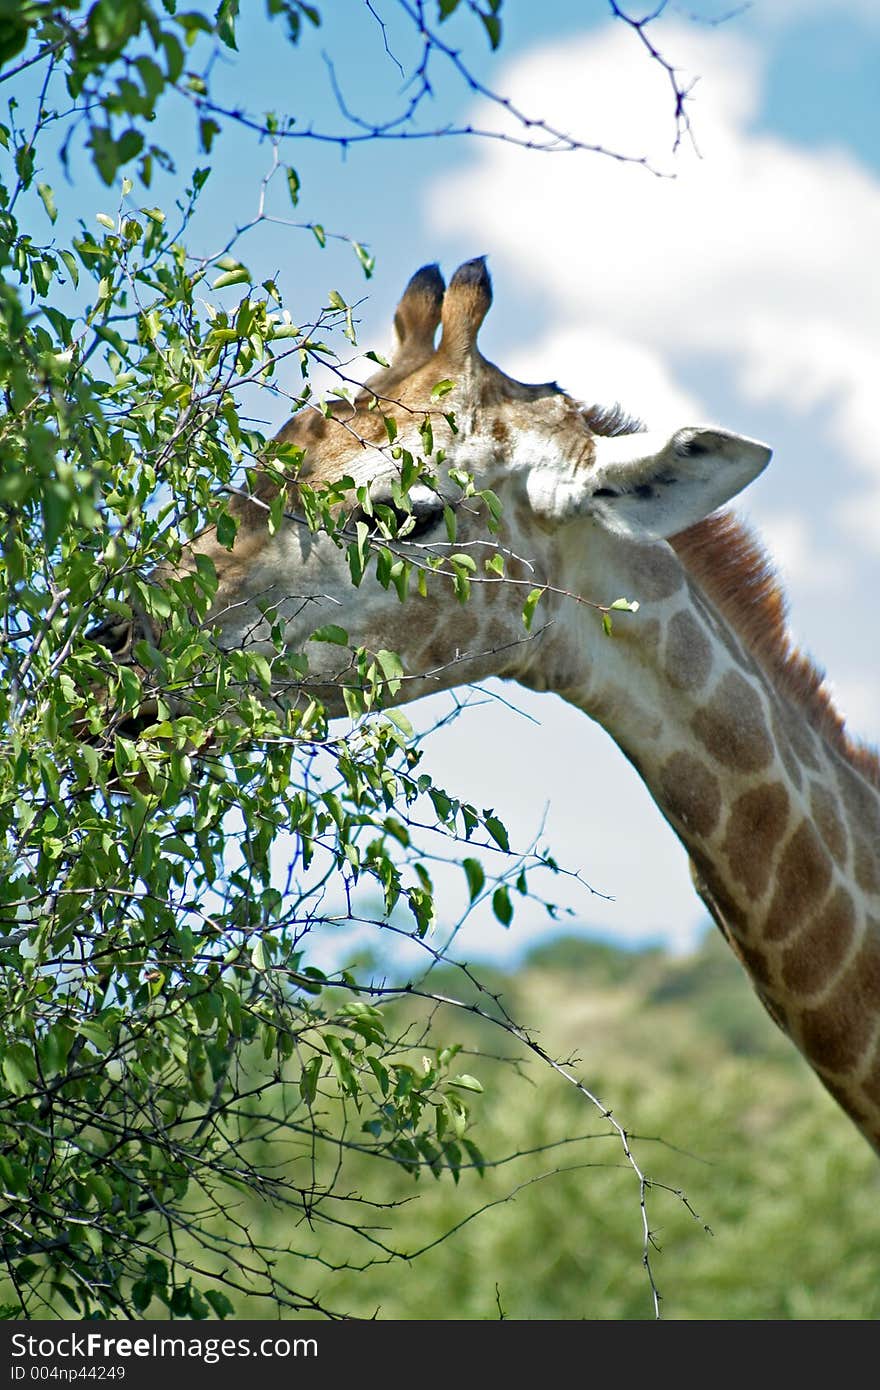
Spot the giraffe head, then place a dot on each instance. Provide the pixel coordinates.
(448, 462)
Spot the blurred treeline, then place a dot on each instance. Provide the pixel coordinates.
(720, 1107)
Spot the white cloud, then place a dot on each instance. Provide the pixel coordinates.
(860, 515)
(596, 365)
(760, 254)
(857, 697)
(779, 14)
(804, 564)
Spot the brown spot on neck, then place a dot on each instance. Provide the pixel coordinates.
(802, 881)
(689, 794)
(688, 653)
(654, 572)
(757, 822)
(815, 954)
(836, 1033)
(732, 727)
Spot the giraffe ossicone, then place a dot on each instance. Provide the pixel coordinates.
(728, 725)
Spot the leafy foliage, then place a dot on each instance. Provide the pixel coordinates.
(160, 1014)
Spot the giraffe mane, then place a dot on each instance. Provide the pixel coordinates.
(733, 569)
(610, 420)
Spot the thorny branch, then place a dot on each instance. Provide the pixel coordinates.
(521, 128)
(680, 93)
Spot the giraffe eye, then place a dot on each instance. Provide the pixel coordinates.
(392, 520)
(424, 519)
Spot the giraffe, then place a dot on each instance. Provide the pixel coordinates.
(729, 726)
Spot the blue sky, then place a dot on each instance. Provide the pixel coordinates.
(744, 290)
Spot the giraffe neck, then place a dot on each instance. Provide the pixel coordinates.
(782, 829)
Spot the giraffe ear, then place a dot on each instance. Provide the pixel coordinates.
(415, 325)
(418, 313)
(650, 486)
(465, 305)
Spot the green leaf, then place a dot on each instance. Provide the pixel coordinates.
(529, 607)
(330, 632)
(395, 716)
(397, 831)
(24, 163)
(502, 906)
(391, 665)
(104, 153)
(208, 131)
(263, 670)
(19, 1068)
(277, 509)
(341, 1059)
(219, 1302)
(475, 876)
(232, 277)
(293, 185)
(14, 34)
(465, 1082)
(368, 262)
(308, 1082)
(497, 830)
(463, 561)
(72, 266)
(227, 526)
(152, 78)
(48, 200)
(492, 25)
(224, 19)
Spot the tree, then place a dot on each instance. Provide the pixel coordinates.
(167, 1041)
